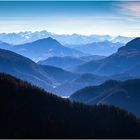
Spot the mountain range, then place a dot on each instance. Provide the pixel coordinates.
(57, 80)
(68, 62)
(83, 80)
(99, 82)
(62, 62)
(74, 39)
(123, 61)
(46, 77)
(60, 75)
(25, 69)
(69, 86)
(44, 48)
(98, 48)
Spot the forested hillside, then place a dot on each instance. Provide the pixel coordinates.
(29, 112)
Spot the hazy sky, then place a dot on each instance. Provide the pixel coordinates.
(92, 17)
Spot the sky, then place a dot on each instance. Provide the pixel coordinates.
(68, 17)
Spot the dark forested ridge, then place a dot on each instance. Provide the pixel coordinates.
(29, 112)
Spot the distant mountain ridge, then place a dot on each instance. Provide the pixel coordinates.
(44, 48)
(60, 75)
(28, 36)
(68, 62)
(63, 62)
(92, 57)
(122, 61)
(83, 80)
(104, 48)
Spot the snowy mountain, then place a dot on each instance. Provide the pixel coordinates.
(75, 39)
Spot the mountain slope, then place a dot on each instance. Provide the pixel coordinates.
(83, 80)
(28, 112)
(24, 68)
(59, 74)
(4, 45)
(62, 62)
(122, 39)
(98, 48)
(92, 57)
(93, 93)
(123, 94)
(120, 62)
(135, 70)
(44, 48)
(68, 62)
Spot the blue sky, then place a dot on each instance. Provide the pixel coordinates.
(82, 17)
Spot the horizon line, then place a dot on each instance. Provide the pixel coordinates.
(67, 34)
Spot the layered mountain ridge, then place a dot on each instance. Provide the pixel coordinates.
(24, 68)
(122, 61)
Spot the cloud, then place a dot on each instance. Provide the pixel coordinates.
(130, 8)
